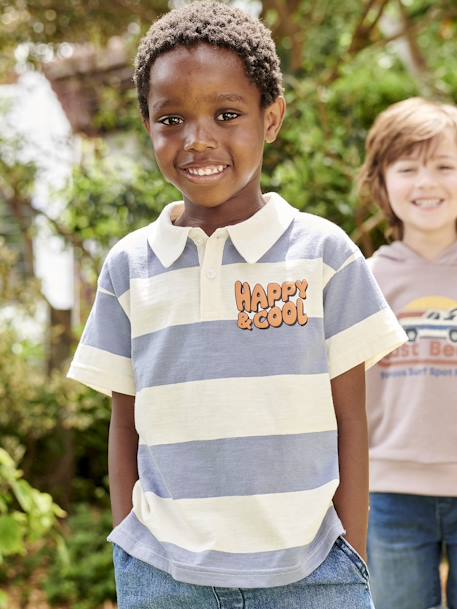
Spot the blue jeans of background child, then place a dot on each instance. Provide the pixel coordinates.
(340, 582)
(406, 539)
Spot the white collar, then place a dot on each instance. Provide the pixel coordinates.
(252, 237)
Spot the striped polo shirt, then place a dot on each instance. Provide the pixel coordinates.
(229, 344)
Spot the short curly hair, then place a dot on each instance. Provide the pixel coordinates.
(219, 25)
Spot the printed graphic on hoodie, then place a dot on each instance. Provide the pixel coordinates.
(431, 326)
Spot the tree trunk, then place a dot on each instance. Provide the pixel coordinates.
(60, 343)
(288, 26)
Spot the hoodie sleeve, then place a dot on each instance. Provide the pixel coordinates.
(359, 325)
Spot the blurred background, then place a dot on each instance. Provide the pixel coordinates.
(77, 173)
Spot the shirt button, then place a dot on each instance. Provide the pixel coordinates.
(211, 274)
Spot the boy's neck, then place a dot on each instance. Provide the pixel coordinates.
(429, 245)
(209, 219)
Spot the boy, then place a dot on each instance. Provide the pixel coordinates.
(223, 330)
(411, 173)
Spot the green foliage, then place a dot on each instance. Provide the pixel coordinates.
(37, 410)
(81, 572)
(109, 196)
(28, 519)
(25, 292)
(17, 181)
(105, 205)
(26, 514)
(119, 112)
(45, 24)
(324, 29)
(43, 418)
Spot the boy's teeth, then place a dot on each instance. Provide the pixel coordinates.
(205, 171)
(427, 202)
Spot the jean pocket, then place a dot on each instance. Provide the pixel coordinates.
(353, 556)
(121, 558)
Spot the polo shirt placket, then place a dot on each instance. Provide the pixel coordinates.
(210, 253)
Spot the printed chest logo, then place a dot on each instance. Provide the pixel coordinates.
(272, 306)
(431, 326)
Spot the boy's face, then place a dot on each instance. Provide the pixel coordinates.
(422, 188)
(207, 125)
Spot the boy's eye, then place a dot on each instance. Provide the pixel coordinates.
(171, 121)
(445, 167)
(227, 116)
(406, 170)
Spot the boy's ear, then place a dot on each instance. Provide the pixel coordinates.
(146, 124)
(274, 116)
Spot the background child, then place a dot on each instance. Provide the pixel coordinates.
(411, 173)
(232, 334)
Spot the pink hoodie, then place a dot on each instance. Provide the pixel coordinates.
(412, 393)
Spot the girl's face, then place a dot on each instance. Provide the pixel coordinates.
(422, 189)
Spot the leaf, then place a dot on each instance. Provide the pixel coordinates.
(11, 536)
(5, 459)
(24, 494)
(62, 551)
(3, 600)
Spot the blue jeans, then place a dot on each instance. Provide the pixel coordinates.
(407, 537)
(340, 582)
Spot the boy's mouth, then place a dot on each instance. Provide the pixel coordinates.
(210, 170)
(427, 203)
(204, 172)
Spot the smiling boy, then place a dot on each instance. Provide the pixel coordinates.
(410, 171)
(232, 333)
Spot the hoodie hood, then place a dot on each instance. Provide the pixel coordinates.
(399, 252)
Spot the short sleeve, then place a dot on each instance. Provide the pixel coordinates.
(102, 360)
(359, 325)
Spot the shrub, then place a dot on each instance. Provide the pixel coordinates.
(81, 571)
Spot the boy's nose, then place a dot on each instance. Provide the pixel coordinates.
(199, 138)
(425, 178)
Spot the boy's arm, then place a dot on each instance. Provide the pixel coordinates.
(122, 455)
(351, 497)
